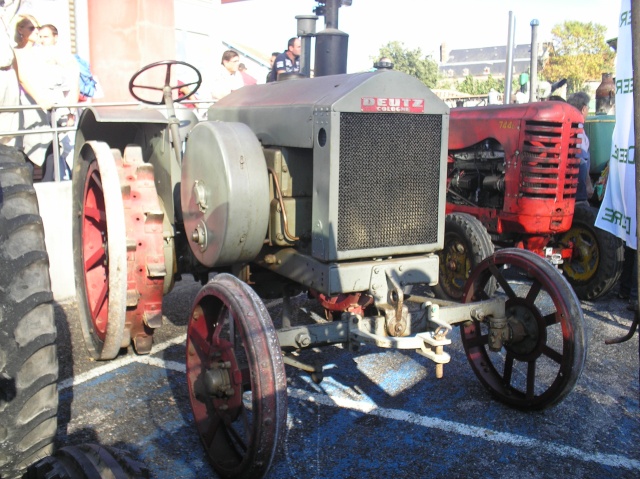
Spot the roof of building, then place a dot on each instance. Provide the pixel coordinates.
(487, 60)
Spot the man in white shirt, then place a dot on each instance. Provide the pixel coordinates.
(227, 77)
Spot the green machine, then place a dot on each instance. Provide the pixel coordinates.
(599, 130)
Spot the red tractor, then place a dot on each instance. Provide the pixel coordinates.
(514, 167)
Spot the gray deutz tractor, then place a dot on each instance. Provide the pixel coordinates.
(334, 186)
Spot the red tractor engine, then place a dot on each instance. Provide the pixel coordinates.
(515, 167)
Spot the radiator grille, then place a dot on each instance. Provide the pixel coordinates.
(549, 167)
(388, 180)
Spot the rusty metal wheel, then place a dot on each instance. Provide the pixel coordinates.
(466, 243)
(100, 250)
(118, 249)
(146, 269)
(543, 357)
(236, 378)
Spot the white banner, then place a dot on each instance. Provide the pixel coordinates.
(618, 210)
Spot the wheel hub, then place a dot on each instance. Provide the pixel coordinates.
(223, 380)
(524, 331)
(581, 251)
(218, 383)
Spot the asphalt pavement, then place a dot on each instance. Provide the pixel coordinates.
(378, 413)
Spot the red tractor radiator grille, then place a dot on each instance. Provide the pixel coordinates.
(389, 180)
(549, 168)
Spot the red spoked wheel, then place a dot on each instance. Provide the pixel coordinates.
(544, 356)
(236, 378)
(100, 251)
(118, 239)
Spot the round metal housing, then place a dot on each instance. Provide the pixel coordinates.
(224, 193)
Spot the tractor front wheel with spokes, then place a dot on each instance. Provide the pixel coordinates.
(236, 378)
(544, 352)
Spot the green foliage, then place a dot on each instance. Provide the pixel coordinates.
(580, 53)
(412, 62)
(475, 86)
(445, 84)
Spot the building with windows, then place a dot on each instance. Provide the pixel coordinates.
(485, 61)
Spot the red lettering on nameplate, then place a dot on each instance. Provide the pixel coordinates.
(392, 105)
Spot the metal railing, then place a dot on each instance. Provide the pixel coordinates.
(55, 130)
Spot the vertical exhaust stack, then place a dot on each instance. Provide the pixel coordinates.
(306, 30)
(331, 43)
(533, 78)
(508, 72)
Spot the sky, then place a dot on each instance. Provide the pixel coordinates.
(425, 24)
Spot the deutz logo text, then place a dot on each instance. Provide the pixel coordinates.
(392, 105)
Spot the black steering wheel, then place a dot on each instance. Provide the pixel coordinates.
(167, 87)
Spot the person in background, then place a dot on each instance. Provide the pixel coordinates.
(32, 90)
(227, 78)
(70, 85)
(48, 35)
(274, 55)
(9, 88)
(521, 97)
(65, 63)
(580, 101)
(184, 91)
(494, 97)
(287, 61)
(47, 77)
(26, 36)
(246, 78)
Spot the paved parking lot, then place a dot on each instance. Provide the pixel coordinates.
(378, 413)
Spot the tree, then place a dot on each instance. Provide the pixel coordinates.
(473, 86)
(580, 53)
(412, 62)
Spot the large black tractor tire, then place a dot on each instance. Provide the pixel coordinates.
(28, 358)
(598, 257)
(466, 244)
(88, 461)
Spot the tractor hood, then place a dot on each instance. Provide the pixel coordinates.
(470, 125)
(282, 113)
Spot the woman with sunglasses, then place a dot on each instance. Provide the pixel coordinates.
(26, 34)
